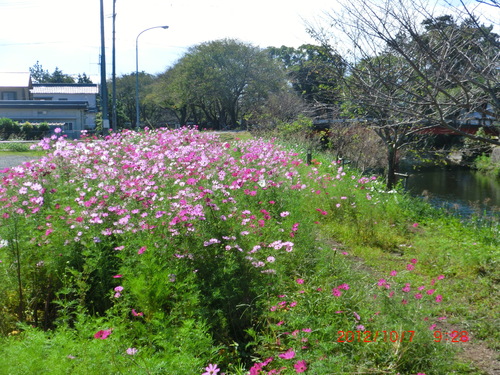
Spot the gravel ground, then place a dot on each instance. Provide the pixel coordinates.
(8, 161)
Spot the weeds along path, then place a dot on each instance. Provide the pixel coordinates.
(474, 351)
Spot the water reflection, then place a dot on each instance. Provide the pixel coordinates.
(458, 189)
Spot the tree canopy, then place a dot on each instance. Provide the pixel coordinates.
(219, 83)
(315, 72)
(40, 75)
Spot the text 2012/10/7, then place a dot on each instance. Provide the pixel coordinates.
(369, 336)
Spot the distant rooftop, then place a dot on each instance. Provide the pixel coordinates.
(65, 88)
(43, 104)
(15, 79)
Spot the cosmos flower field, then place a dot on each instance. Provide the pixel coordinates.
(173, 252)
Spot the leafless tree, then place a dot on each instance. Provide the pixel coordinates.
(413, 65)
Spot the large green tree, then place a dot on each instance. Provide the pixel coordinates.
(219, 83)
(150, 113)
(315, 73)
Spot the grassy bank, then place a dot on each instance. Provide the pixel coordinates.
(16, 147)
(486, 165)
(176, 251)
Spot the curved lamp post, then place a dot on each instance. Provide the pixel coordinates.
(137, 124)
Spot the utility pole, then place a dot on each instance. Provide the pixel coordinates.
(104, 89)
(114, 124)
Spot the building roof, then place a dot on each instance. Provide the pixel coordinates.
(15, 79)
(65, 88)
(44, 104)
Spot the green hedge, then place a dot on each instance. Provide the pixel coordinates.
(11, 129)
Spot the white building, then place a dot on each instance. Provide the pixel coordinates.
(72, 107)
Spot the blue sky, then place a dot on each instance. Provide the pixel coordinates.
(66, 33)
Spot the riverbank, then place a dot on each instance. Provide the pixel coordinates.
(489, 164)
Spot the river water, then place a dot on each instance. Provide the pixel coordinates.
(459, 190)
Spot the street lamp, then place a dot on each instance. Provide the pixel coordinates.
(137, 73)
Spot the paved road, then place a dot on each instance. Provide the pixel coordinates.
(13, 160)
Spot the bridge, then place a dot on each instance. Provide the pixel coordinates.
(470, 127)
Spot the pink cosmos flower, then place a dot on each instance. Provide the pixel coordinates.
(439, 298)
(440, 277)
(430, 291)
(414, 261)
(131, 351)
(135, 313)
(300, 281)
(336, 292)
(410, 267)
(255, 369)
(103, 334)
(117, 276)
(141, 250)
(211, 370)
(289, 354)
(344, 286)
(300, 366)
(418, 295)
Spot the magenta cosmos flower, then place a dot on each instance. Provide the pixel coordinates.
(102, 334)
(289, 354)
(300, 366)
